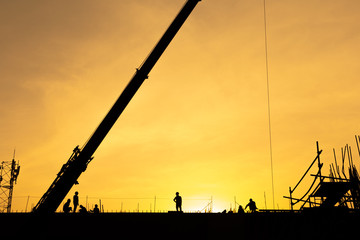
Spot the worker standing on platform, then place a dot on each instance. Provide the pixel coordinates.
(76, 200)
(178, 201)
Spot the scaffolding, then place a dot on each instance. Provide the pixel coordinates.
(9, 171)
(341, 189)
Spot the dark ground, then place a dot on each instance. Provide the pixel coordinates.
(278, 225)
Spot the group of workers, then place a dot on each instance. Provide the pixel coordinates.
(82, 209)
(177, 200)
(251, 205)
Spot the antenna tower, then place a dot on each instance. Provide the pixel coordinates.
(9, 171)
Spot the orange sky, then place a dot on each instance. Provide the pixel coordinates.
(199, 124)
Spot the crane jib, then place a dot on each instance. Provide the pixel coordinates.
(80, 158)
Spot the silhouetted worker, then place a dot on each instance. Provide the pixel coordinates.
(178, 201)
(82, 209)
(96, 209)
(66, 207)
(241, 210)
(76, 200)
(251, 205)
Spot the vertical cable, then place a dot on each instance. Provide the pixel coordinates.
(268, 100)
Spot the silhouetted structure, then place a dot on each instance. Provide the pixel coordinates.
(66, 207)
(80, 158)
(9, 172)
(333, 191)
(178, 201)
(251, 205)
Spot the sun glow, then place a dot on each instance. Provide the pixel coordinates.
(198, 125)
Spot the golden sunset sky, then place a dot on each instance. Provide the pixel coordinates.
(199, 124)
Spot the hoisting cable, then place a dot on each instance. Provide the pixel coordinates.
(268, 101)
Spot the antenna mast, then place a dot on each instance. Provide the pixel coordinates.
(9, 171)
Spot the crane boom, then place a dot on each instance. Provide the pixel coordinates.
(80, 158)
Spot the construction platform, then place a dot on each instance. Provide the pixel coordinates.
(261, 225)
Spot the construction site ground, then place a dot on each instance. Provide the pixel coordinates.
(260, 225)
